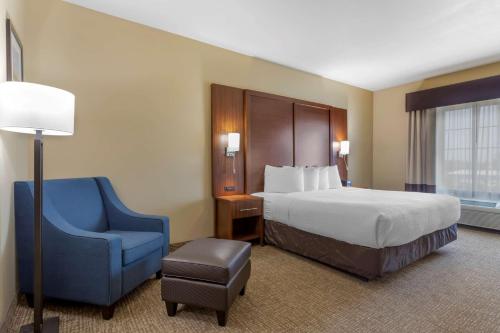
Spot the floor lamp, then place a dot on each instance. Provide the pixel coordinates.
(41, 110)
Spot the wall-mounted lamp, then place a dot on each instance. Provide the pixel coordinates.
(233, 144)
(344, 151)
(344, 148)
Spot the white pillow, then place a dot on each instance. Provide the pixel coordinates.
(334, 177)
(283, 180)
(324, 179)
(311, 179)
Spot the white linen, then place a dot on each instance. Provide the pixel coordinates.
(283, 180)
(311, 179)
(371, 218)
(334, 177)
(324, 180)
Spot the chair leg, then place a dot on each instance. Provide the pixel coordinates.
(222, 318)
(30, 299)
(242, 291)
(108, 312)
(171, 308)
(159, 275)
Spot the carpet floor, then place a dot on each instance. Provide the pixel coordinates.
(456, 289)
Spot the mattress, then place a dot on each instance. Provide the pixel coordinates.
(371, 218)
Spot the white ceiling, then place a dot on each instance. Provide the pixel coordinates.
(373, 44)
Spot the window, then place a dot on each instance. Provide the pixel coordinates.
(468, 151)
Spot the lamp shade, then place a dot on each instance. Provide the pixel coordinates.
(344, 148)
(233, 141)
(27, 107)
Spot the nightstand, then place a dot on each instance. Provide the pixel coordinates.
(239, 217)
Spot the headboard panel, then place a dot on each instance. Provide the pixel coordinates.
(338, 132)
(269, 139)
(227, 116)
(311, 135)
(275, 130)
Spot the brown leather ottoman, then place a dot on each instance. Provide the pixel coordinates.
(208, 273)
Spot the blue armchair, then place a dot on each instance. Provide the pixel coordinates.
(95, 250)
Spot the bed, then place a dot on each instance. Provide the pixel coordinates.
(365, 232)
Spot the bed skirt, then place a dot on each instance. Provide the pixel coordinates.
(363, 261)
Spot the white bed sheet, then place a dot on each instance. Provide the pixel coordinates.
(371, 218)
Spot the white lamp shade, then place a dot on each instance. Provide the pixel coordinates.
(27, 107)
(344, 148)
(233, 141)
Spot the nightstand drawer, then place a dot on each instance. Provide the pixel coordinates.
(247, 208)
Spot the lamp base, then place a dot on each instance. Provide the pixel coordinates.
(50, 325)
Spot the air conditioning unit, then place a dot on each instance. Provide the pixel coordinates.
(480, 217)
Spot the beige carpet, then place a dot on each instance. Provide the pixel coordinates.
(456, 289)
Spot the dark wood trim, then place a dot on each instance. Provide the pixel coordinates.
(465, 92)
(338, 132)
(227, 116)
(233, 110)
(10, 28)
(286, 99)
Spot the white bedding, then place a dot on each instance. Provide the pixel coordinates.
(371, 218)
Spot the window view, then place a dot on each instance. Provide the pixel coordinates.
(468, 152)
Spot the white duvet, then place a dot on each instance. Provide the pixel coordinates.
(364, 217)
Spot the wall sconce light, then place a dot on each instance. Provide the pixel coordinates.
(233, 146)
(344, 148)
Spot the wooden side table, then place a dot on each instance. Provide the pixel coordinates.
(240, 217)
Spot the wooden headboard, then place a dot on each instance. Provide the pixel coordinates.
(275, 130)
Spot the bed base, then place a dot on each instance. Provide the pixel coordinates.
(365, 262)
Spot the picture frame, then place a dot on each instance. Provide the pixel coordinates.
(15, 65)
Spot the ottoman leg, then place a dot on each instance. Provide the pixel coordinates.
(30, 300)
(222, 318)
(242, 291)
(171, 308)
(158, 275)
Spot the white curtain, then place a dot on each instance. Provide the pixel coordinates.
(468, 150)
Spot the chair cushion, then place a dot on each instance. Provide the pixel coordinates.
(79, 201)
(137, 244)
(212, 260)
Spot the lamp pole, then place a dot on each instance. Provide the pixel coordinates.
(38, 281)
(49, 325)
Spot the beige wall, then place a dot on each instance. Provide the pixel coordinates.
(13, 166)
(390, 124)
(143, 108)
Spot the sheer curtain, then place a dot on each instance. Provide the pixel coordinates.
(468, 150)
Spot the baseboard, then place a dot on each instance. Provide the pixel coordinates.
(10, 315)
(172, 248)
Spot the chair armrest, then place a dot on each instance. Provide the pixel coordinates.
(78, 264)
(122, 218)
